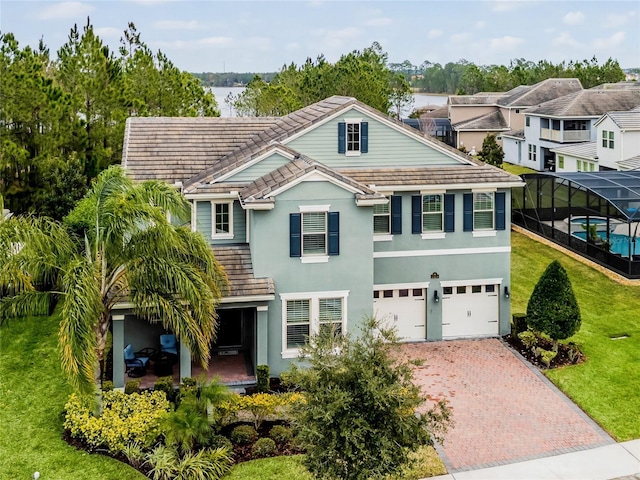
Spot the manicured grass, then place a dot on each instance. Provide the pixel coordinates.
(276, 468)
(606, 385)
(516, 169)
(33, 392)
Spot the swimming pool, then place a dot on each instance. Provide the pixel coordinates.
(620, 244)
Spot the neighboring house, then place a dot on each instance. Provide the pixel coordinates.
(473, 117)
(617, 146)
(569, 120)
(327, 215)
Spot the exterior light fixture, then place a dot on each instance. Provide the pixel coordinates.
(506, 292)
(436, 298)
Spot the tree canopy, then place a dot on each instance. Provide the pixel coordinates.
(116, 244)
(491, 152)
(62, 121)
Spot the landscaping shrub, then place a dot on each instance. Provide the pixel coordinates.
(220, 441)
(163, 462)
(552, 307)
(165, 384)
(528, 339)
(262, 405)
(518, 323)
(243, 434)
(281, 434)
(264, 447)
(573, 352)
(546, 356)
(134, 454)
(132, 386)
(262, 376)
(126, 418)
(204, 464)
(107, 385)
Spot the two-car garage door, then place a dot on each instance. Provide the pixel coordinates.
(470, 310)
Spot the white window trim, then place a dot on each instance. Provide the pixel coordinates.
(313, 208)
(310, 258)
(314, 320)
(221, 236)
(377, 237)
(381, 237)
(352, 153)
(432, 234)
(484, 232)
(314, 259)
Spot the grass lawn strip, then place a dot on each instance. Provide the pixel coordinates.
(605, 386)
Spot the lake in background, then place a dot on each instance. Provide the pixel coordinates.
(419, 100)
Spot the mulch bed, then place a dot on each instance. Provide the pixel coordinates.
(562, 359)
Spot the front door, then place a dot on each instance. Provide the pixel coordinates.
(229, 329)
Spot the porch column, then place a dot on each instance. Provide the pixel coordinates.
(262, 335)
(185, 361)
(117, 322)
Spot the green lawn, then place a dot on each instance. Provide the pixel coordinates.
(516, 169)
(606, 386)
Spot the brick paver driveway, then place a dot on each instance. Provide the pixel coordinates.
(504, 411)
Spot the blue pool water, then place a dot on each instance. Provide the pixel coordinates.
(620, 244)
(592, 221)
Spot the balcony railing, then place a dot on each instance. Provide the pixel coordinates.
(566, 136)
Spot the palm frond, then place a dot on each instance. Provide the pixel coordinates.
(25, 303)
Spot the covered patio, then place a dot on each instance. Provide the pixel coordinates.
(595, 214)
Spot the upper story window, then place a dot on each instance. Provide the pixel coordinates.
(353, 137)
(576, 125)
(314, 234)
(607, 139)
(484, 212)
(222, 220)
(433, 213)
(387, 218)
(527, 121)
(532, 153)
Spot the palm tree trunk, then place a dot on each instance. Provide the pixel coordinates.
(102, 329)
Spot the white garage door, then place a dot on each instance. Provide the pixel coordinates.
(404, 309)
(470, 311)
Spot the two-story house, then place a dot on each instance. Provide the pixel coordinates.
(617, 146)
(327, 215)
(568, 120)
(473, 117)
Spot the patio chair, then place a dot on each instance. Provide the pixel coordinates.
(169, 344)
(136, 362)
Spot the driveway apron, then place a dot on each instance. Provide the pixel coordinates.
(504, 410)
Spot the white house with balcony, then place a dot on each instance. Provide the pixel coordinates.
(565, 121)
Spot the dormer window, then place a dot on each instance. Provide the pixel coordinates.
(353, 137)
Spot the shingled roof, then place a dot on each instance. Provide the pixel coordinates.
(589, 103)
(549, 89)
(489, 121)
(176, 148)
(258, 191)
(236, 260)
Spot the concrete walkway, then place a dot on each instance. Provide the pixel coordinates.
(618, 461)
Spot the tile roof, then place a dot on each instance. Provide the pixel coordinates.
(632, 163)
(477, 99)
(175, 148)
(587, 150)
(236, 260)
(515, 133)
(626, 120)
(258, 191)
(488, 121)
(428, 176)
(588, 103)
(549, 89)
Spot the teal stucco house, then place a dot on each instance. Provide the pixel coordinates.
(327, 215)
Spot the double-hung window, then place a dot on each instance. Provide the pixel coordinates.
(607, 139)
(382, 219)
(314, 234)
(484, 213)
(353, 137)
(432, 213)
(308, 314)
(532, 153)
(222, 220)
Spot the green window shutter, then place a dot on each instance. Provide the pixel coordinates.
(334, 233)
(467, 212)
(500, 211)
(396, 214)
(416, 214)
(449, 212)
(342, 137)
(294, 235)
(364, 137)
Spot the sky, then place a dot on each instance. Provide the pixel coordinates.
(262, 36)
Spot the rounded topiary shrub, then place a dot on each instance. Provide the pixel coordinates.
(220, 441)
(263, 447)
(243, 434)
(281, 434)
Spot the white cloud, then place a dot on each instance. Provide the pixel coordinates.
(505, 43)
(612, 41)
(565, 40)
(292, 46)
(178, 25)
(109, 32)
(573, 18)
(460, 37)
(504, 5)
(435, 33)
(379, 22)
(65, 10)
(615, 20)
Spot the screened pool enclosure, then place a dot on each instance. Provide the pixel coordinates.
(595, 214)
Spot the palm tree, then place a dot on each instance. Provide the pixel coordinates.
(118, 243)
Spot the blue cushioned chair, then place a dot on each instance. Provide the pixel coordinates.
(169, 344)
(135, 362)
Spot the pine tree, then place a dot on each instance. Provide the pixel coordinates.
(491, 152)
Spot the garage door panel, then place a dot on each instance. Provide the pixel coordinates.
(470, 311)
(407, 313)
